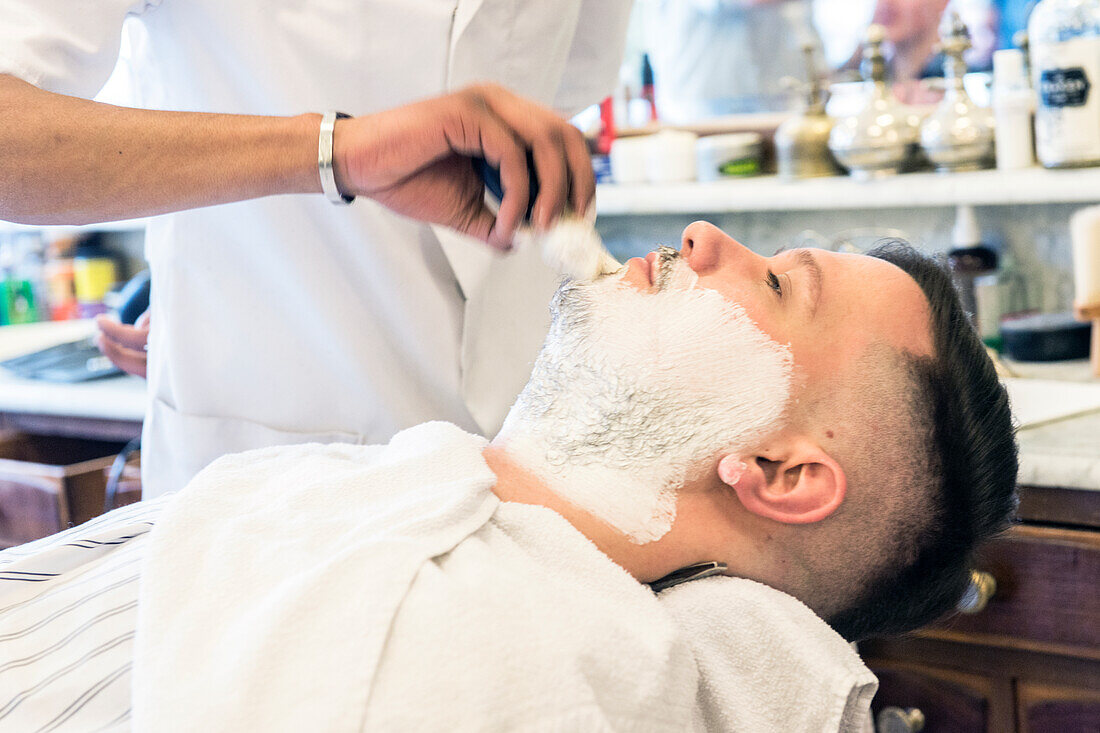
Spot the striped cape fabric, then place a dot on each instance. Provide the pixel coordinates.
(68, 612)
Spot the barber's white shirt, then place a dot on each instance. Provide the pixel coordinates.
(288, 320)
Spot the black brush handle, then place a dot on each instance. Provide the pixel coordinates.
(491, 177)
(134, 298)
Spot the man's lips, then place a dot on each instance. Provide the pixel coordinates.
(640, 271)
(645, 271)
(650, 266)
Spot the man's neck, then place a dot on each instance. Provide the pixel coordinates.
(646, 562)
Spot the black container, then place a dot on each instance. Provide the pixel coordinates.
(1046, 337)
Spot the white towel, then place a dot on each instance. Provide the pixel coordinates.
(527, 626)
(256, 613)
(328, 588)
(767, 662)
(343, 588)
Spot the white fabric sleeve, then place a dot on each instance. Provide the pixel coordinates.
(592, 68)
(64, 46)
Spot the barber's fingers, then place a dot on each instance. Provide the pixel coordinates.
(131, 337)
(477, 131)
(469, 213)
(583, 178)
(516, 184)
(559, 150)
(131, 361)
(553, 175)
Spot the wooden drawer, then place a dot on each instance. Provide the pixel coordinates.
(49, 483)
(950, 701)
(1046, 598)
(1044, 708)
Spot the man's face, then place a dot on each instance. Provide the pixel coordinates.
(908, 19)
(827, 306)
(635, 393)
(650, 376)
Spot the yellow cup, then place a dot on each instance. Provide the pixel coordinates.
(93, 277)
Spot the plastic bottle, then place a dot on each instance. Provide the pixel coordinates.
(1013, 107)
(1064, 37)
(989, 299)
(94, 274)
(969, 259)
(647, 87)
(22, 298)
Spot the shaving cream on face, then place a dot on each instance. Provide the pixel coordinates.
(634, 393)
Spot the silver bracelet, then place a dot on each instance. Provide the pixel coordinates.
(324, 158)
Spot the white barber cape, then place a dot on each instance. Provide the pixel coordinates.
(385, 588)
(286, 319)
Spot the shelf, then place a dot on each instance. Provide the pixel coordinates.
(769, 193)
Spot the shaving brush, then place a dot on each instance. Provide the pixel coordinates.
(571, 245)
(1085, 230)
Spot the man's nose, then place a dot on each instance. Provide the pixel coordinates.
(705, 247)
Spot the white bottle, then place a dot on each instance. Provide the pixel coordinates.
(1065, 64)
(1013, 105)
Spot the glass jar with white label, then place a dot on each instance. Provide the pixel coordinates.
(1065, 67)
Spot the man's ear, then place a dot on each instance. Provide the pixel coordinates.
(799, 484)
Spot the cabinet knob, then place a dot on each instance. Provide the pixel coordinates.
(981, 589)
(898, 720)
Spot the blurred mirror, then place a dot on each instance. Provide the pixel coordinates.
(689, 61)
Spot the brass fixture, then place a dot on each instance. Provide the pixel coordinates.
(896, 720)
(958, 135)
(981, 589)
(802, 142)
(877, 140)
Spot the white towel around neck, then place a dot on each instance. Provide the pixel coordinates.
(346, 588)
(793, 672)
(271, 581)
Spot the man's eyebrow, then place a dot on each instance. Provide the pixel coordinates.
(806, 259)
(813, 269)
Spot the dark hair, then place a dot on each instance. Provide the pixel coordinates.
(971, 458)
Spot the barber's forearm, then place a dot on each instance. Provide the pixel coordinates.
(66, 160)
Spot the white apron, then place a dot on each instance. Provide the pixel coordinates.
(286, 319)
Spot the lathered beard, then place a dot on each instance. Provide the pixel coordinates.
(635, 393)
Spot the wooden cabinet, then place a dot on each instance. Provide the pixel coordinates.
(1029, 662)
(49, 483)
(951, 702)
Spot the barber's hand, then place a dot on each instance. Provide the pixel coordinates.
(416, 161)
(124, 345)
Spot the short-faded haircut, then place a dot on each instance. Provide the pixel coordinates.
(972, 465)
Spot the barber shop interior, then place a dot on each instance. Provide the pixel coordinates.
(550, 365)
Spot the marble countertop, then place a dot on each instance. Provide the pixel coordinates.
(1064, 453)
(1055, 449)
(1057, 408)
